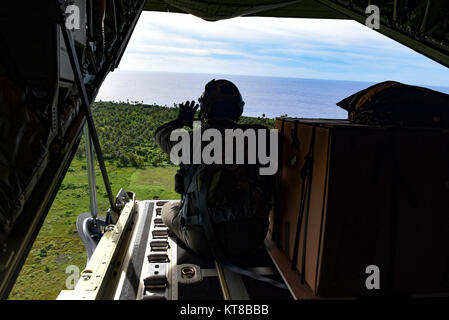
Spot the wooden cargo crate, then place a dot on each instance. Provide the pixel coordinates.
(378, 197)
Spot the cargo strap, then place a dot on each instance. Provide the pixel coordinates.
(306, 176)
(213, 242)
(277, 206)
(294, 136)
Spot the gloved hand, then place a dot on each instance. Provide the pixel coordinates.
(187, 112)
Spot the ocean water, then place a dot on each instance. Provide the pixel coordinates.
(272, 96)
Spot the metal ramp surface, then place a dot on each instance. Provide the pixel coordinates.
(157, 267)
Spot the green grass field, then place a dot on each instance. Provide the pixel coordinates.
(58, 246)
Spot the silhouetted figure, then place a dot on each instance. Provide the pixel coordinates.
(224, 208)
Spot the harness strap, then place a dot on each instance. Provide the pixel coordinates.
(184, 205)
(204, 215)
(213, 242)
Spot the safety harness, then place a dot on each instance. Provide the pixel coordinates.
(204, 219)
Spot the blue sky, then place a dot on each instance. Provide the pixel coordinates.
(301, 48)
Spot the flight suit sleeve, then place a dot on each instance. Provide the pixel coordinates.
(162, 135)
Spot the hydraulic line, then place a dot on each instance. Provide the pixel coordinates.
(90, 161)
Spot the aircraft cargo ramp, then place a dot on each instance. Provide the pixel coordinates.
(137, 259)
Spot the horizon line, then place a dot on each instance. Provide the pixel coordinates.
(278, 77)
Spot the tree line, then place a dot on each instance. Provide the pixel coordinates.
(126, 132)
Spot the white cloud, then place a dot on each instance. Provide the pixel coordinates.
(308, 48)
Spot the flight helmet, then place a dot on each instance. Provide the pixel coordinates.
(221, 99)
